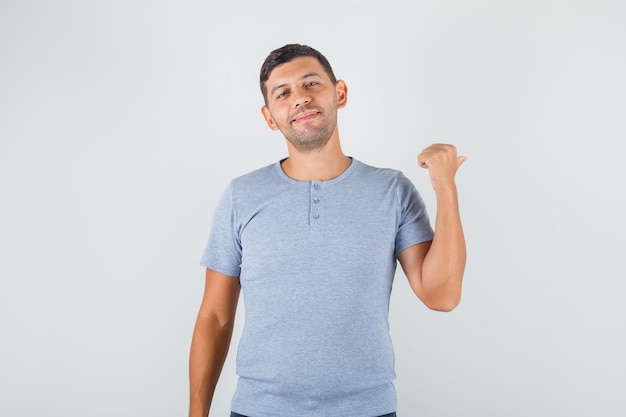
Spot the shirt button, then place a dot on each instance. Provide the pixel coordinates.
(316, 216)
(317, 186)
(316, 200)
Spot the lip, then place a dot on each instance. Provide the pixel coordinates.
(305, 116)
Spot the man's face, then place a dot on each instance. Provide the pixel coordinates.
(302, 103)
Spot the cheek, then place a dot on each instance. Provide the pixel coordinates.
(281, 113)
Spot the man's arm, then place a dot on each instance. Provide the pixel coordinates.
(211, 339)
(435, 269)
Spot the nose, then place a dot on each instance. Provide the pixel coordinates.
(301, 97)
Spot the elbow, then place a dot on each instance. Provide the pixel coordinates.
(444, 304)
(439, 293)
(444, 296)
(443, 307)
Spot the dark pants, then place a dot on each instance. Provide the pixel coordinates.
(239, 415)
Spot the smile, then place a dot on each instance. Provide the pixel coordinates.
(305, 116)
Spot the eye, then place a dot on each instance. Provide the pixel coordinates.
(311, 84)
(282, 94)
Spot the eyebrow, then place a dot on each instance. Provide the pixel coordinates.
(305, 76)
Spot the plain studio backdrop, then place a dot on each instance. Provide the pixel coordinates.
(121, 122)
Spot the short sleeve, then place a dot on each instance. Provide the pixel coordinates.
(414, 224)
(223, 249)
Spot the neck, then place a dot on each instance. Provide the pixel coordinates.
(322, 164)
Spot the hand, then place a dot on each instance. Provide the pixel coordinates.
(442, 163)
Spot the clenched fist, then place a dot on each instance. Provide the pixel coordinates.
(442, 163)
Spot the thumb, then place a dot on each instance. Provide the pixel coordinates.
(460, 160)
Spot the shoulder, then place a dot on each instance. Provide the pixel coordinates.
(252, 183)
(254, 177)
(389, 181)
(387, 176)
(255, 187)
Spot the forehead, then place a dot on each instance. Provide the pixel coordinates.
(295, 69)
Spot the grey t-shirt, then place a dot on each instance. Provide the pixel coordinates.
(316, 261)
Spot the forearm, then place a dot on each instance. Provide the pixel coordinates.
(209, 348)
(444, 264)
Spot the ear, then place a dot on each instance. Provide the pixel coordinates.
(341, 89)
(268, 118)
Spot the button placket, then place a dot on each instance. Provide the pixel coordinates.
(316, 188)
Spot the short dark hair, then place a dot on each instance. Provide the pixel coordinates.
(287, 53)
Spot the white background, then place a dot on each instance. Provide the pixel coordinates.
(122, 121)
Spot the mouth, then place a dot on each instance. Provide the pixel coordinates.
(305, 116)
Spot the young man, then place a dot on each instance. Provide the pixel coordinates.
(312, 241)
